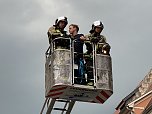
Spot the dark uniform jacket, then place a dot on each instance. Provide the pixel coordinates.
(78, 47)
(78, 44)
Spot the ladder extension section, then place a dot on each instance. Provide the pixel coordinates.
(50, 106)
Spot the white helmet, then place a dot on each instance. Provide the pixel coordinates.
(97, 24)
(62, 18)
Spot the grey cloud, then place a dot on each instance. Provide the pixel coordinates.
(23, 43)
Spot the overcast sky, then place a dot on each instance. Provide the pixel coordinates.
(23, 42)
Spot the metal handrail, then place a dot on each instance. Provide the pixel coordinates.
(62, 38)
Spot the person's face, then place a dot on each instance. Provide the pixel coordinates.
(98, 29)
(71, 29)
(62, 24)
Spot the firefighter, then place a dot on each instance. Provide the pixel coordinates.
(96, 37)
(57, 30)
(78, 41)
(103, 47)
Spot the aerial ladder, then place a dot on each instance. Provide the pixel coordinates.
(61, 78)
(68, 105)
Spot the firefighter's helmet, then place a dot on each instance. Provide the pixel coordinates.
(97, 24)
(62, 18)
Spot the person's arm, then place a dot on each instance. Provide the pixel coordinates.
(55, 32)
(102, 39)
(83, 38)
(88, 44)
(105, 47)
(49, 33)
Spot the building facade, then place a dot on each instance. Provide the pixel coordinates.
(139, 101)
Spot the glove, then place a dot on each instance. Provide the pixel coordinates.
(94, 40)
(106, 47)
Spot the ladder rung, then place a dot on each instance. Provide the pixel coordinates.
(59, 109)
(79, 78)
(62, 100)
(90, 79)
(64, 109)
